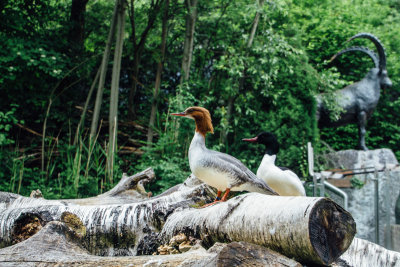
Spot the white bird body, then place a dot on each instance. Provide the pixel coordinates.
(217, 169)
(197, 155)
(284, 182)
(220, 170)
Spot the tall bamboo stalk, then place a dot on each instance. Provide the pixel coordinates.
(138, 47)
(189, 38)
(191, 16)
(103, 72)
(158, 74)
(113, 119)
(85, 107)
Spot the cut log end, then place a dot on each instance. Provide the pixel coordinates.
(330, 224)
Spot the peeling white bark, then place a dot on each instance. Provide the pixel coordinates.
(118, 222)
(124, 221)
(364, 253)
(304, 228)
(56, 245)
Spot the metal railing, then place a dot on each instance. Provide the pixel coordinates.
(323, 188)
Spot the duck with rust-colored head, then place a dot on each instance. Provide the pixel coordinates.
(217, 169)
(281, 179)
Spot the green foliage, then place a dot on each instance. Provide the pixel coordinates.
(7, 121)
(169, 170)
(268, 84)
(69, 174)
(168, 156)
(356, 183)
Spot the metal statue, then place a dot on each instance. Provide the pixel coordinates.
(358, 100)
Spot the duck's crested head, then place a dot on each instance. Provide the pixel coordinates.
(268, 139)
(202, 118)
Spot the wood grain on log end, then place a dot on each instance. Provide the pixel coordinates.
(330, 224)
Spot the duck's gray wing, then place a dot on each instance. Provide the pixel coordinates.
(227, 163)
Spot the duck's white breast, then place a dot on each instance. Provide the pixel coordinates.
(285, 183)
(212, 177)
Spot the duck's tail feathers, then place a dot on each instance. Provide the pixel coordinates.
(263, 189)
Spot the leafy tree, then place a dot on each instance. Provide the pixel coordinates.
(267, 85)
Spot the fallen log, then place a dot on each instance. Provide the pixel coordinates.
(364, 253)
(125, 221)
(59, 243)
(119, 222)
(308, 229)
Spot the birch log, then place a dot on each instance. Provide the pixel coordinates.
(59, 244)
(120, 222)
(124, 221)
(364, 253)
(308, 229)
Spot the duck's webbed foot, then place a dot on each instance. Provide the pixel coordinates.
(218, 198)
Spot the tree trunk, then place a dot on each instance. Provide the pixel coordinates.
(103, 72)
(76, 34)
(189, 38)
(138, 50)
(132, 92)
(260, 3)
(225, 131)
(158, 74)
(124, 221)
(113, 116)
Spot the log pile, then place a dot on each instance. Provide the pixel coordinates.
(127, 222)
(58, 243)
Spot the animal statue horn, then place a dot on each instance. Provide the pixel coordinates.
(359, 99)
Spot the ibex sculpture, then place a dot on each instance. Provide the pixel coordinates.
(358, 100)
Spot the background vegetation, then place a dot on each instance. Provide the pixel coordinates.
(51, 51)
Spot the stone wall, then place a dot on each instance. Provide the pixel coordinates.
(361, 201)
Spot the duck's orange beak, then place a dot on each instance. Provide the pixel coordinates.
(181, 114)
(252, 140)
